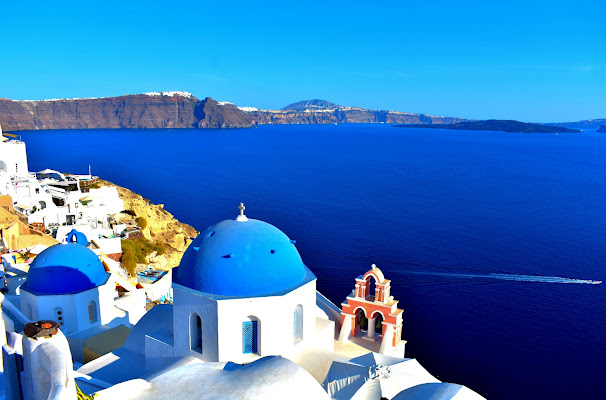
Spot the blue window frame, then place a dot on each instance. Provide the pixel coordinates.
(249, 337)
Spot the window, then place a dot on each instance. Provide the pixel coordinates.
(298, 324)
(59, 314)
(92, 312)
(372, 286)
(250, 336)
(195, 333)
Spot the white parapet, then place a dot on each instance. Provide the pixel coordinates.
(346, 329)
(47, 369)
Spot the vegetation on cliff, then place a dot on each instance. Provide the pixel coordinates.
(141, 222)
(136, 251)
(165, 239)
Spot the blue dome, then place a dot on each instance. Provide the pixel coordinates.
(77, 237)
(243, 259)
(63, 269)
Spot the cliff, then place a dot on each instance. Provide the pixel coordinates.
(150, 110)
(183, 110)
(318, 111)
(161, 227)
(345, 115)
(310, 104)
(211, 114)
(602, 129)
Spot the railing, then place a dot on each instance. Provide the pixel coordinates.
(122, 272)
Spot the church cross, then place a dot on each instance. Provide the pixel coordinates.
(241, 208)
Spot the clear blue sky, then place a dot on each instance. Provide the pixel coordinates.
(527, 60)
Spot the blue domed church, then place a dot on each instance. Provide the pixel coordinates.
(241, 291)
(68, 283)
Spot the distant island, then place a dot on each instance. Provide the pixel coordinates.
(585, 124)
(184, 110)
(496, 125)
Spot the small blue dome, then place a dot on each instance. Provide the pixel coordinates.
(242, 259)
(63, 269)
(75, 236)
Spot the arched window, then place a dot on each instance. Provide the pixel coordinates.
(361, 320)
(42, 204)
(92, 312)
(59, 315)
(372, 285)
(250, 335)
(195, 333)
(298, 324)
(378, 323)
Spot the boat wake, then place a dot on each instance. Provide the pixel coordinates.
(475, 274)
(511, 277)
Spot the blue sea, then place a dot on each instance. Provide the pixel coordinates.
(491, 239)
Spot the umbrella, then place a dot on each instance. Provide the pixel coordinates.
(438, 391)
(373, 376)
(48, 171)
(88, 198)
(37, 249)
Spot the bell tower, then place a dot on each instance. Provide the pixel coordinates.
(378, 304)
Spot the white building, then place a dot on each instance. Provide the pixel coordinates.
(64, 203)
(68, 283)
(53, 201)
(241, 292)
(242, 295)
(13, 157)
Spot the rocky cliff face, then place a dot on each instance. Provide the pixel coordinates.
(183, 110)
(310, 104)
(155, 110)
(602, 128)
(161, 227)
(346, 115)
(318, 111)
(211, 114)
